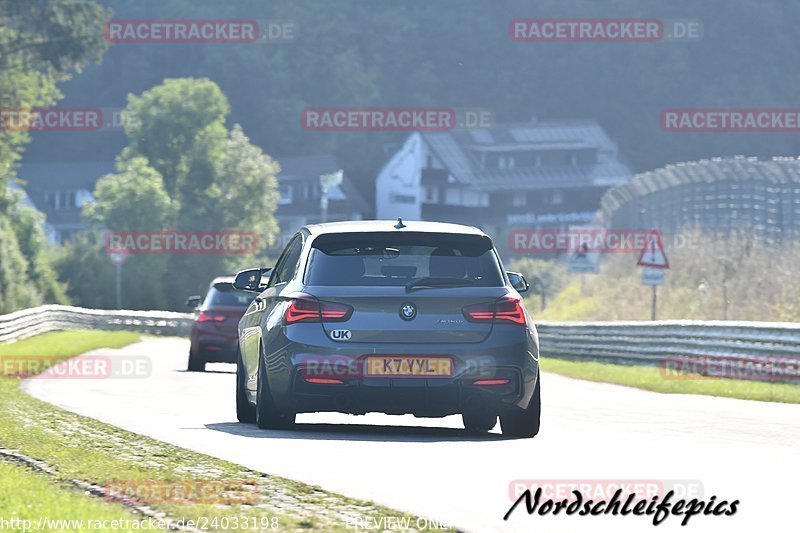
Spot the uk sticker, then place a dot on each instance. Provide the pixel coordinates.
(340, 334)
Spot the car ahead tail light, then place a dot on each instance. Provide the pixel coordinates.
(505, 309)
(306, 308)
(207, 316)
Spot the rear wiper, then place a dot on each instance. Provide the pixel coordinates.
(429, 282)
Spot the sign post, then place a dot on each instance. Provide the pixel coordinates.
(118, 258)
(583, 260)
(654, 260)
(327, 181)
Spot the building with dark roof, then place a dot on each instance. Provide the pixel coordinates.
(719, 194)
(300, 195)
(59, 190)
(524, 175)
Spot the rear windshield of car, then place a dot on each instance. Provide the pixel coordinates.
(224, 295)
(396, 259)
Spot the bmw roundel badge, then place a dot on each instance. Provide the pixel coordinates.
(408, 311)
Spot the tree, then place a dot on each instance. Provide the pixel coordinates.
(41, 42)
(183, 170)
(176, 127)
(133, 199)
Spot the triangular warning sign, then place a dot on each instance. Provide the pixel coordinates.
(653, 254)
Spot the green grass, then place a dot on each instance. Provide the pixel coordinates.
(651, 378)
(85, 449)
(31, 496)
(49, 348)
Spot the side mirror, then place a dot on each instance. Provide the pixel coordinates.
(193, 301)
(518, 281)
(248, 280)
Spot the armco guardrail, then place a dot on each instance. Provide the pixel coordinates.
(652, 343)
(27, 322)
(637, 343)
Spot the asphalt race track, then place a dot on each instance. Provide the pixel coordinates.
(733, 449)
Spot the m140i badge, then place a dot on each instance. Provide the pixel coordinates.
(408, 311)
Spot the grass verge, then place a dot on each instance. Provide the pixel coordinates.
(189, 487)
(650, 378)
(32, 501)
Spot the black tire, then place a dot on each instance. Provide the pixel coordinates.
(524, 423)
(245, 412)
(267, 415)
(478, 421)
(196, 363)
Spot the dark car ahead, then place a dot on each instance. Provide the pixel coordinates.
(390, 317)
(214, 337)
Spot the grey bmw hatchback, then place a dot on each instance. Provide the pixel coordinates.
(392, 317)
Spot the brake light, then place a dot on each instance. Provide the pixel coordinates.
(491, 382)
(510, 310)
(325, 381)
(505, 309)
(206, 316)
(306, 308)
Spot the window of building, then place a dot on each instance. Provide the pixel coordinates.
(519, 199)
(432, 195)
(465, 197)
(505, 161)
(556, 198)
(286, 194)
(64, 199)
(403, 198)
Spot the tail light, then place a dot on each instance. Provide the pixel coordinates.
(207, 316)
(306, 308)
(505, 309)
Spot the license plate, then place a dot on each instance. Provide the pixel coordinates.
(409, 366)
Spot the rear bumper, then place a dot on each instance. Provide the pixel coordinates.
(493, 359)
(214, 348)
(421, 397)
